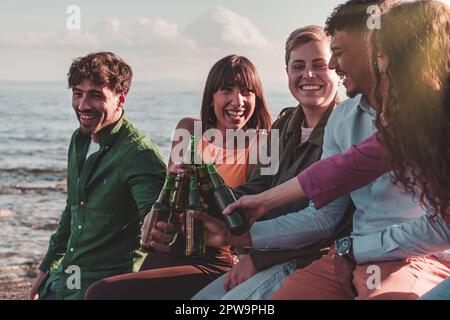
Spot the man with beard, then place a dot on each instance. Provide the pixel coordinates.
(114, 176)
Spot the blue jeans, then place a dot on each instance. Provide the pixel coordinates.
(51, 291)
(259, 287)
(440, 292)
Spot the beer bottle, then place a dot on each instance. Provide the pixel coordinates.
(195, 233)
(192, 157)
(178, 201)
(207, 191)
(223, 195)
(160, 211)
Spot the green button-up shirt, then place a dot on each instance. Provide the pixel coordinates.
(108, 196)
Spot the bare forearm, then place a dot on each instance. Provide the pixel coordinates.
(285, 193)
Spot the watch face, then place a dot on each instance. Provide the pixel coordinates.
(343, 245)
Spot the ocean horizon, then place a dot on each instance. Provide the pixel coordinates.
(35, 130)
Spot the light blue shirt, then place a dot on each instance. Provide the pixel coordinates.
(387, 225)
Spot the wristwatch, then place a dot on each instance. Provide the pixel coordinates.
(344, 248)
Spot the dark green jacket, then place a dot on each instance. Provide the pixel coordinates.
(108, 195)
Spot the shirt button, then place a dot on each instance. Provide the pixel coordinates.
(79, 227)
(82, 203)
(106, 147)
(71, 249)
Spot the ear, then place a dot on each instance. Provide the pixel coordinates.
(122, 98)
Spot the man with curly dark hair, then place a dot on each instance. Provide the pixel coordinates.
(114, 176)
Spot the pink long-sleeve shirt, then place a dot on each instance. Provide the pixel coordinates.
(333, 177)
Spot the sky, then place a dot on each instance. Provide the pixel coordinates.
(160, 39)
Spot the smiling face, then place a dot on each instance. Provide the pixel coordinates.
(233, 107)
(350, 60)
(311, 82)
(96, 107)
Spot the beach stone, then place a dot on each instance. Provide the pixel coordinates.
(61, 186)
(5, 213)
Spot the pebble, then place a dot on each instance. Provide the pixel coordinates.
(5, 213)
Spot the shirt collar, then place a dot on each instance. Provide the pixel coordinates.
(364, 105)
(297, 119)
(110, 135)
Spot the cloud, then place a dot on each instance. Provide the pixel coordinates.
(160, 27)
(159, 34)
(222, 27)
(218, 28)
(155, 47)
(111, 24)
(238, 29)
(142, 32)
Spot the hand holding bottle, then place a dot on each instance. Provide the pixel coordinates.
(253, 206)
(217, 232)
(176, 168)
(256, 206)
(163, 235)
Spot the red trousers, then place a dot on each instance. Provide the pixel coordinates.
(332, 277)
(164, 276)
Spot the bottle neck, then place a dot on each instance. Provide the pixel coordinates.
(216, 179)
(164, 196)
(192, 156)
(194, 198)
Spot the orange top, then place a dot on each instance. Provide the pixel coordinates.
(230, 163)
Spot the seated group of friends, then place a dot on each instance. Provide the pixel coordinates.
(358, 208)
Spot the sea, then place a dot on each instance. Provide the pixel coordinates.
(36, 124)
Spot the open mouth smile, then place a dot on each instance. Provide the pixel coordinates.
(311, 87)
(235, 114)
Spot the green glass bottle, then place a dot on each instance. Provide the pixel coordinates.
(224, 196)
(192, 157)
(195, 232)
(160, 211)
(207, 191)
(179, 197)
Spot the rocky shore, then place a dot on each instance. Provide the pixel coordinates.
(15, 290)
(16, 281)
